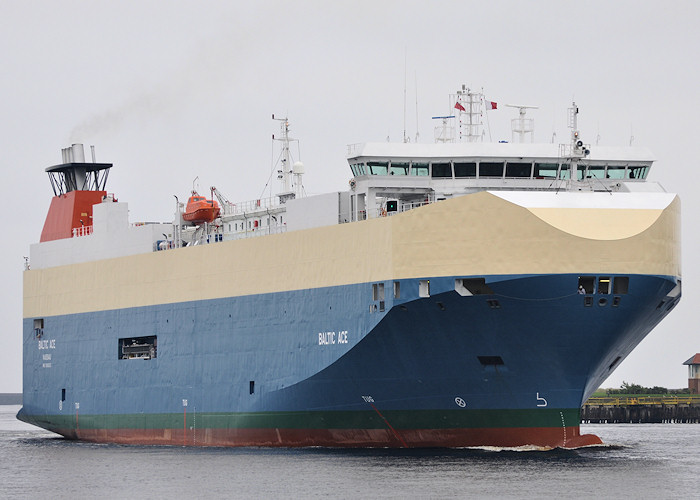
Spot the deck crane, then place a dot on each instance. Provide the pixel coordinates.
(226, 206)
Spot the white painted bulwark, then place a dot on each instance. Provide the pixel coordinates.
(318, 211)
(112, 236)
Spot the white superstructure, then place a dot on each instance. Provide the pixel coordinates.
(387, 179)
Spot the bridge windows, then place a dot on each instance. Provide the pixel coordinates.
(615, 172)
(545, 170)
(397, 168)
(358, 169)
(491, 169)
(518, 169)
(442, 170)
(465, 169)
(377, 167)
(596, 172)
(419, 169)
(637, 171)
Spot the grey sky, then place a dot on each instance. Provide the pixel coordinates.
(172, 90)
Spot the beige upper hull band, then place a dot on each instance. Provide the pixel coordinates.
(478, 234)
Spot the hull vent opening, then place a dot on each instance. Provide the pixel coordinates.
(138, 347)
(491, 360)
(39, 328)
(472, 286)
(614, 363)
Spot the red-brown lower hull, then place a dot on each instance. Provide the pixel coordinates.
(545, 437)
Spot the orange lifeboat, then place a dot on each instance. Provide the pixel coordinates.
(199, 209)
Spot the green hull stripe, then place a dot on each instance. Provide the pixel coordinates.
(399, 419)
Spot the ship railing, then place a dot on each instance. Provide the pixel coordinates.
(148, 223)
(345, 217)
(258, 231)
(400, 208)
(82, 231)
(250, 206)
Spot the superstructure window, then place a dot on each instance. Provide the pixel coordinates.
(518, 169)
(490, 169)
(397, 289)
(138, 347)
(377, 167)
(615, 172)
(596, 172)
(604, 285)
(463, 170)
(398, 168)
(637, 172)
(424, 288)
(419, 169)
(545, 170)
(442, 170)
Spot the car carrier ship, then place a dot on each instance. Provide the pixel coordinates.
(461, 293)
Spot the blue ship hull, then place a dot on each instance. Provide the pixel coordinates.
(337, 366)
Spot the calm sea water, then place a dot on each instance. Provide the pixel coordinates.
(639, 461)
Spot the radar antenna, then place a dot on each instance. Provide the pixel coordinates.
(522, 126)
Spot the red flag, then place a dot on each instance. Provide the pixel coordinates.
(491, 105)
(459, 107)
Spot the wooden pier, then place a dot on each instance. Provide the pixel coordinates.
(642, 409)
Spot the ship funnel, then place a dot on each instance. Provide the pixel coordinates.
(74, 154)
(74, 174)
(77, 187)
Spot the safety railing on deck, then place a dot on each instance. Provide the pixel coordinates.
(250, 206)
(82, 231)
(401, 207)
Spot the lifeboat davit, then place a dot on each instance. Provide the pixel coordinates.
(199, 209)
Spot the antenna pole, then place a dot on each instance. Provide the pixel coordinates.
(416, 81)
(405, 56)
